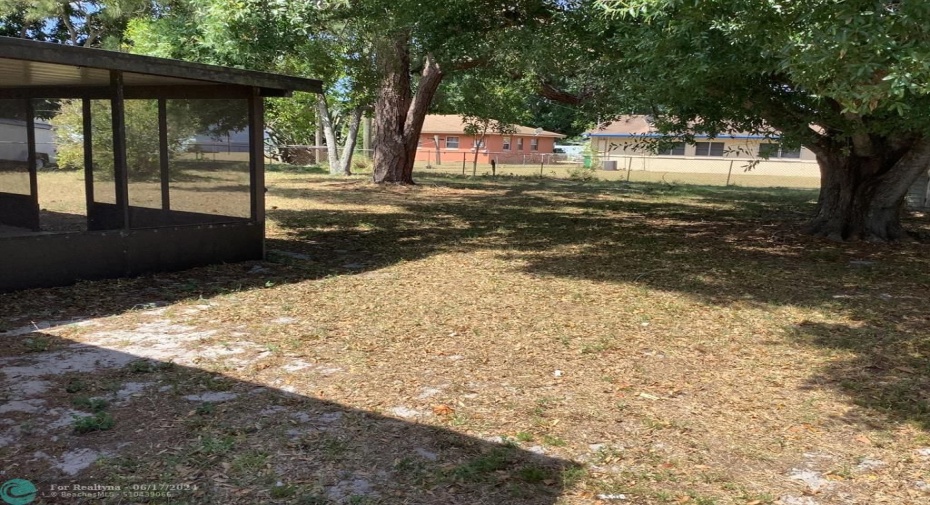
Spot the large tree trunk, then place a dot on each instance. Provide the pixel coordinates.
(399, 114)
(862, 195)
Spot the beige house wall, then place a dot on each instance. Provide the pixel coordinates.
(738, 156)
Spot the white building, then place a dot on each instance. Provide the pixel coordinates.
(13, 147)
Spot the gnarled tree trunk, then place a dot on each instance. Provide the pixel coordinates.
(862, 193)
(399, 113)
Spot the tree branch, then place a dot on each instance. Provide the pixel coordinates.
(547, 90)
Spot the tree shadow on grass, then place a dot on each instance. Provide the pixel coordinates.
(145, 418)
(888, 373)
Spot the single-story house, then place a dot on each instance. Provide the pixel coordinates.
(137, 201)
(443, 140)
(620, 145)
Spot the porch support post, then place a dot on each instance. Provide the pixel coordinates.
(32, 159)
(163, 153)
(88, 134)
(257, 160)
(120, 168)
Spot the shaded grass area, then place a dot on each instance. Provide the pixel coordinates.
(683, 344)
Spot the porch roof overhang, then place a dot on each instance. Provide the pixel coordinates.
(31, 69)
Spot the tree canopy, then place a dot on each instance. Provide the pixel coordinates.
(89, 23)
(848, 79)
(860, 66)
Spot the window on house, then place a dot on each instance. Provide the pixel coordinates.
(479, 144)
(534, 144)
(452, 142)
(676, 149)
(768, 150)
(708, 149)
(506, 145)
(791, 153)
(520, 144)
(772, 150)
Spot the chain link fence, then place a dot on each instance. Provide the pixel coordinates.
(713, 171)
(716, 171)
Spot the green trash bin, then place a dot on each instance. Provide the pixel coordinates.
(587, 161)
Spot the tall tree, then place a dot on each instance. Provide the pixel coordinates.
(847, 79)
(415, 47)
(88, 23)
(293, 37)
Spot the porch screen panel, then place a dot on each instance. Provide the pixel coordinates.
(102, 151)
(143, 163)
(59, 137)
(209, 159)
(14, 149)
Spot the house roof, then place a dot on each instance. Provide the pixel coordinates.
(36, 65)
(641, 126)
(453, 123)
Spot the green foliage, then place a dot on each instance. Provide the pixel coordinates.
(185, 119)
(140, 366)
(92, 404)
(215, 446)
(281, 492)
(75, 386)
(80, 23)
(850, 67)
(101, 421)
(294, 37)
(205, 409)
(37, 344)
(583, 174)
(533, 474)
(498, 458)
(292, 121)
(556, 117)
(488, 101)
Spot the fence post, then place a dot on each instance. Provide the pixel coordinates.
(730, 171)
(463, 163)
(542, 163)
(629, 168)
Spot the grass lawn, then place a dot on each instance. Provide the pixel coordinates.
(490, 341)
